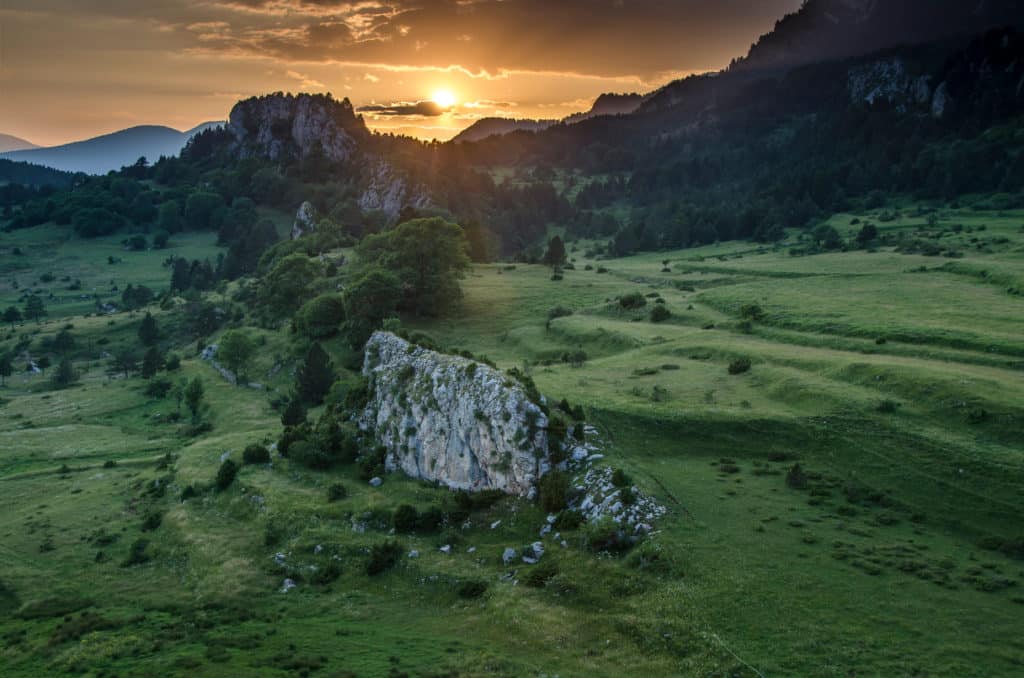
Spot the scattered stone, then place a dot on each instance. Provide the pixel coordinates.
(447, 548)
(288, 585)
(509, 555)
(376, 482)
(414, 554)
(495, 524)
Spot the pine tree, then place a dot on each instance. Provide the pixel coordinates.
(555, 256)
(315, 375)
(295, 413)
(149, 331)
(34, 308)
(12, 315)
(152, 363)
(6, 368)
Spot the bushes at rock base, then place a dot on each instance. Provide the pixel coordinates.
(605, 535)
(554, 491)
(383, 557)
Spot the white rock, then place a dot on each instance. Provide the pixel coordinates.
(447, 548)
(495, 524)
(509, 555)
(288, 585)
(376, 482)
(414, 554)
(451, 420)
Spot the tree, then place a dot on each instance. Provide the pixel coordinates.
(193, 395)
(235, 350)
(226, 475)
(428, 256)
(152, 362)
(6, 367)
(294, 414)
(315, 375)
(867, 234)
(201, 209)
(34, 308)
(321, 317)
(65, 374)
(136, 297)
(63, 342)
(12, 315)
(168, 217)
(125, 361)
(555, 254)
(288, 283)
(181, 275)
(369, 300)
(149, 331)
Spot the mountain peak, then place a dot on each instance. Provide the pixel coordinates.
(12, 143)
(822, 30)
(278, 126)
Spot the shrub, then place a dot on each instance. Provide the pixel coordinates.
(336, 492)
(632, 301)
(383, 557)
(620, 478)
(541, 574)
(226, 475)
(751, 312)
(371, 464)
(559, 312)
(554, 491)
(796, 478)
(660, 314)
(255, 454)
(888, 406)
(137, 553)
(568, 520)
(606, 535)
(406, 519)
(158, 388)
(471, 589)
(430, 520)
(152, 521)
(739, 366)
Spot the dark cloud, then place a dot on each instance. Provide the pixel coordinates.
(427, 109)
(608, 38)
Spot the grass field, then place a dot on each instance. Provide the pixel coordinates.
(899, 391)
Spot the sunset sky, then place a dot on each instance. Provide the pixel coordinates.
(71, 69)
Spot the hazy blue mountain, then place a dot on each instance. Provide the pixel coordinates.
(102, 154)
(12, 143)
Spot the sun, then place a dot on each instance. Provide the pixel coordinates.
(444, 98)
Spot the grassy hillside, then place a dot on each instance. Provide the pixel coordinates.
(894, 381)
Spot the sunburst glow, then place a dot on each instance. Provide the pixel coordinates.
(444, 98)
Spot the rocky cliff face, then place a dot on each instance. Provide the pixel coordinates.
(283, 126)
(389, 192)
(305, 220)
(452, 420)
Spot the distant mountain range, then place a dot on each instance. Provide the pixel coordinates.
(12, 143)
(606, 104)
(102, 154)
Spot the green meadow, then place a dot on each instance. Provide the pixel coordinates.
(892, 379)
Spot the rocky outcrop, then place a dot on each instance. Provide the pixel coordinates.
(283, 126)
(305, 220)
(389, 192)
(452, 420)
(889, 82)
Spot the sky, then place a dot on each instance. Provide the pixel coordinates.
(73, 69)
